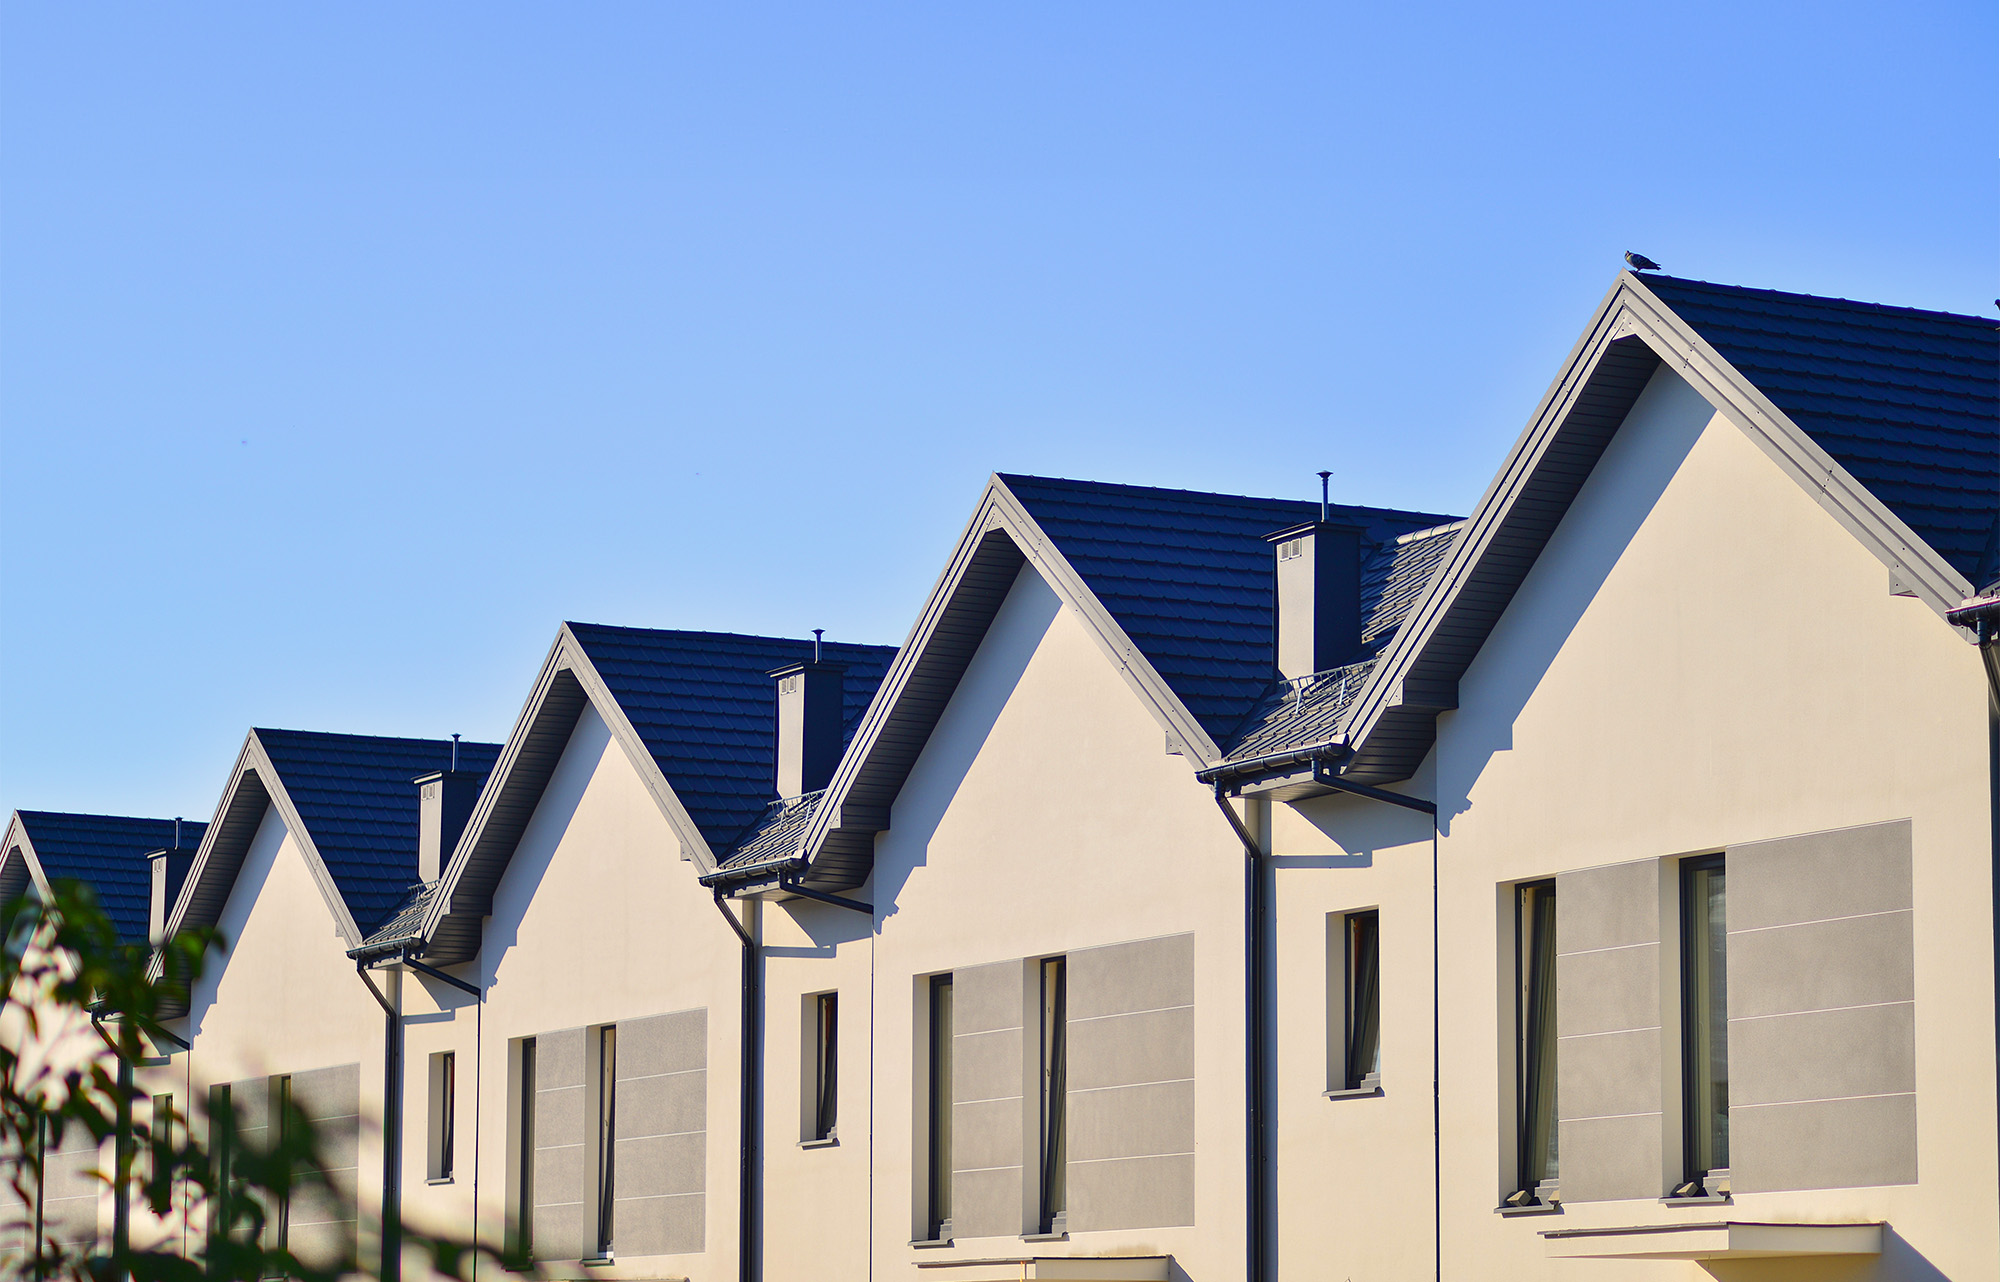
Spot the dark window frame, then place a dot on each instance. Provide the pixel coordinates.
(1053, 1135)
(1361, 968)
(939, 1157)
(1704, 1023)
(1537, 1130)
(524, 1212)
(607, 1136)
(826, 1065)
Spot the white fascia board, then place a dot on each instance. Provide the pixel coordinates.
(254, 760)
(1000, 511)
(18, 839)
(622, 730)
(1918, 567)
(565, 655)
(1631, 310)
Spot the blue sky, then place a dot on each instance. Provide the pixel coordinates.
(347, 349)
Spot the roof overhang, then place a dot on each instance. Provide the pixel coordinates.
(837, 849)
(20, 867)
(1723, 1240)
(1632, 335)
(451, 928)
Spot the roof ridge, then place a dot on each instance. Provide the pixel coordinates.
(1824, 299)
(1121, 487)
(372, 738)
(86, 814)
(701, 634)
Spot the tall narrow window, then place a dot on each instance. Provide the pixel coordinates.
(940, 1107)
(443, 1120)
(607, 1125)
(278, 1229)
(524, 1206)
(1705, 1023)
(826, 1065)
(161, 1144)
(1535, 1040)
(222, 1141)
(1055, 1073)
(1364, 1000)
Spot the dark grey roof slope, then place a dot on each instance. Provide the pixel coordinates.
(1295, 714)
(704, 705)
(1188, 576)
(1907, 401)
(108, 852)
(353, 793)
(775, 834)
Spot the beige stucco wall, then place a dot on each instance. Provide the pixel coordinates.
(1702, 658)
(283, 998)
(1043, 817)
(596, 920)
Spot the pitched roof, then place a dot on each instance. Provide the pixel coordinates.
(1888, 417)
(1187, 575)
(704, 705)
(1907, 401)
(696, 710)
(354, 796)
(108, 852)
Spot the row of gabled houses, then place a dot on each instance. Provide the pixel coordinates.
(1209, 887)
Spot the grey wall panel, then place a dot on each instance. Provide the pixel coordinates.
(1823, 1144)
(565, 1218)
(1130, 1100)
(1821, 876)
(324, 1226)
(1822, 1010)
(1820, 965)
(1146, 974)
(659, 1194)
(1125, 1121)
(1611, 1157)
(1608, 1031)
(1132, 1193)
(1832, 1054)
(1124, 1050)
(988, 1003)
(69, 1196)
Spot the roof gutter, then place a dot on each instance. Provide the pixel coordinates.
(1233, 774)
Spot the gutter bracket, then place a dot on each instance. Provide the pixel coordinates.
(440, 976)
(852, 905)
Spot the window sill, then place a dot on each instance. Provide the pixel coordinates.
(824, 1141)
(927, 1243)
(1532, 1208)
(1363, 1091)
(1045, 1237)
(438, 1179)
(1706, 1199)
(597, 1261)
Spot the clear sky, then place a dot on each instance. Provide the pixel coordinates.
(345, 350)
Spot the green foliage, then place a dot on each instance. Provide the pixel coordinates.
(62, 967)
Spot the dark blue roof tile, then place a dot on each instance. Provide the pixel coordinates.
(706, 708)
(353, 793)
(108, 852)
(1188, 576)
(1907, 401)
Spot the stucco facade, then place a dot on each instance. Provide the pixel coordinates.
(1619, 903)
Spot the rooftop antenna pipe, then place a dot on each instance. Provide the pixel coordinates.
(454, 754)
(817, 634)
(1322, 496)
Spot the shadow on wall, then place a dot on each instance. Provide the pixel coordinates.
(1627, 484)
(1899, 1261)
(996, 669)
(588, 743)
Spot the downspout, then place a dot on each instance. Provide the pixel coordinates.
(392, 1128)
(748, 1264)
(1324, 775)
(1256, 1203)
(1982, 616)
(478, 1063)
